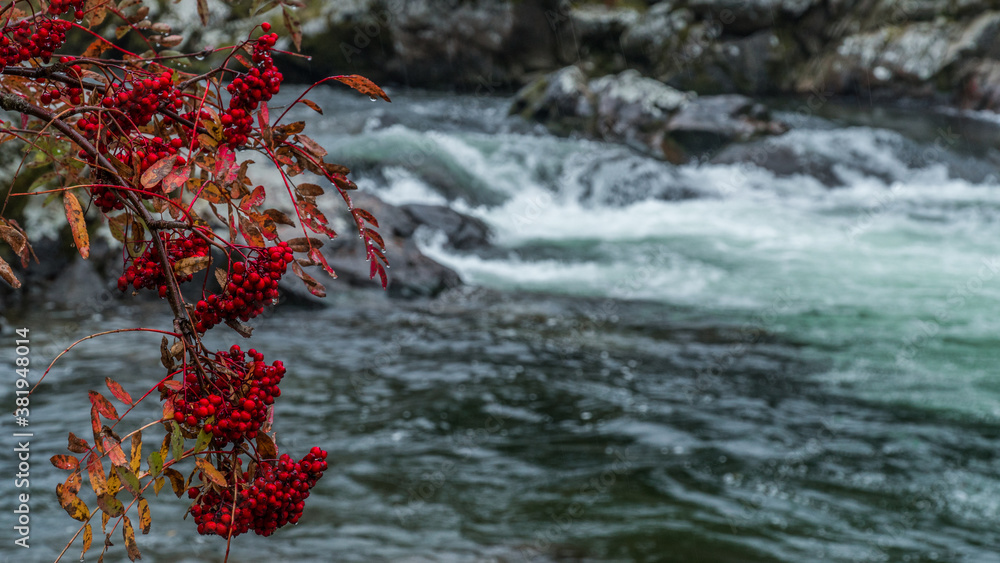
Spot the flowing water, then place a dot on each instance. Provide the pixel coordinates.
(709, 362)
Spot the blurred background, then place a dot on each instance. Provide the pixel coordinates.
(702, 280)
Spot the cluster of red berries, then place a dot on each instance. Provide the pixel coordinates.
(251, 285)
(274, 498)
(145, 152)
(136, 102)
(39, 38)
(72, 94)
(57, 7)
(147, 272)
(233, 404)
(259, 84)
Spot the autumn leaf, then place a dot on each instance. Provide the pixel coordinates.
(8, 275)
(103, 405)
(315, 107)
(145, 518)
(131, 548)
(191, 265)
(211, 473)
(363, 85)
(67, 462)
(110, 505)
(265, 447)
(158, 171)
(77, 445)
(77, 224)
(118, 391)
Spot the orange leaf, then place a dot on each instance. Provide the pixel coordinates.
(363, 85)
(77, 223)
(95, 469)
(315, 107)
(118, 391)
(67, 462)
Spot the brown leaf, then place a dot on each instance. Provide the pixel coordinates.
(363, 85)
(77, 223)
(279, 217)
(118, 391)
(251, 232)
(302, 244)
(293, 25)
(176, 480)
(266, 448)
(67, 462)
(131, 548)
(315, 107)
(96, 11)
(309, 190)
(203, 11)
(165, 358)
(191, 264)
(314, 148)
(103, 405)
(8, 275)
(77, 445)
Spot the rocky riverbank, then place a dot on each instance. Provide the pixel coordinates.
(938, 49)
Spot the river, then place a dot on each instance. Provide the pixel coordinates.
(724, 362)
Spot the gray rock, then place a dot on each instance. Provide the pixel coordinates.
(708, 123)
(642, 113)
(461, 231)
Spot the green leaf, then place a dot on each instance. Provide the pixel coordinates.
(155, 464)
(177, 442)
(203, 440)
